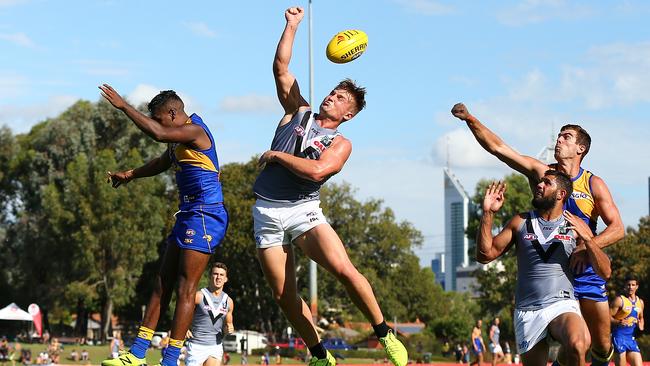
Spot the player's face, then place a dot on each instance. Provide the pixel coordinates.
(338, 105)
(218, 277)
(545, 196)
(631, 287)
(566, 145)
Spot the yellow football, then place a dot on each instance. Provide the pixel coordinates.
(346, 46)
(625, 310)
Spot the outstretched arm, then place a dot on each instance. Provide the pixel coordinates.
(599, 260)
(186, 134)
(153, 167)
(532, 168)
(488, 248)
(285, 82)
(608, 211)
(331, 161)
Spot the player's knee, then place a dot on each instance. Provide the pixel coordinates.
(346, 272)
(578, 344)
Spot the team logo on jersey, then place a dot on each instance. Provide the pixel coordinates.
(579, 196)
(299, 130)
(530, 237)
(190, 232)
(206, 307)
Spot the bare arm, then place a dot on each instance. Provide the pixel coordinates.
(599, 260)
(331, 161)
(526, 165)
(614, 307)
(153, 167)
(641, 318)
(230, 328)
(285, 82)
(488, 248)
(186, 134)
(608, 211)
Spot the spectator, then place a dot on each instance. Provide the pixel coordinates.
(54, 350)
(116, 344)
(507, 353)
(244, 357)
(74, 355)
(445, 349)
(465, 354)
(26, 356)
(84, 355)
(4, 349)
(458, 352)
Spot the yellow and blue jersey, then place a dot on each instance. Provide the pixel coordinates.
(197, 171)
(623, 334)
(202, 221)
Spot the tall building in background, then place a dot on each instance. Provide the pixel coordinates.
(457, 204)
(438, 268)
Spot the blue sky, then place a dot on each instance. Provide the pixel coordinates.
(524, 67)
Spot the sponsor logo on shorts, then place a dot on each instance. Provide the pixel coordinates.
(190, 232)
(565, 294)
(188, 240)
(312, 213)
(313, 219)
(530, 237)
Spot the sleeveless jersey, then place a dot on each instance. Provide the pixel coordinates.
(209, 316)
(543, 272)
(303, 137)
(627, 330)
(496, 333)
(197, 171)
(582, 204)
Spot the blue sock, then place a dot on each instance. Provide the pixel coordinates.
(142, 342)
(172, 352)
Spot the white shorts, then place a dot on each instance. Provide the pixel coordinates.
(279, 223)
(197, 354)
(495, 348)
(531, 326)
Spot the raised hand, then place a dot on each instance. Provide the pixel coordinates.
(112, 96)
(460, 111)
(294, 14)
(579, 226)
(494, 197)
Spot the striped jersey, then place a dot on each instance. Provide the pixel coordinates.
(303, 137)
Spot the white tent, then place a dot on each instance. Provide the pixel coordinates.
(13, 312)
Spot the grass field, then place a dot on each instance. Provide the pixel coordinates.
(99, 353)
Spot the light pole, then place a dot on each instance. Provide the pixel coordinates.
(313, 268)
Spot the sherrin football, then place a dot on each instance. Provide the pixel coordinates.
(347, 46)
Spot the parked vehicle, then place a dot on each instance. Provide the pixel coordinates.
(337, 344)
(244, 340)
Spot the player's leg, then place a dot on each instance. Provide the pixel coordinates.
(158, 303)
(536, 356)
(620, 359)
(211, 361)
(597, 317)
(634, 358)
(278, 266)
(571, 331)
(191, 266)
(324, 246)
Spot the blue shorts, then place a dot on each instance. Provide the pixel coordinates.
(625, 344)
(588, 285)
(200, 228)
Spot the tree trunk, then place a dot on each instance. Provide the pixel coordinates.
(107, 316)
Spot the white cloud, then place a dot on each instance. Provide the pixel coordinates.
(460, 149)
(538, 11)
(20, 118)
(4, 3)
(20, 39)
(251, 103)
(426, 7)
(200, 29)
(143, 93)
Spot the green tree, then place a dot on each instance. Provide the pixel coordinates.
(48, 175)
(632, 256)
